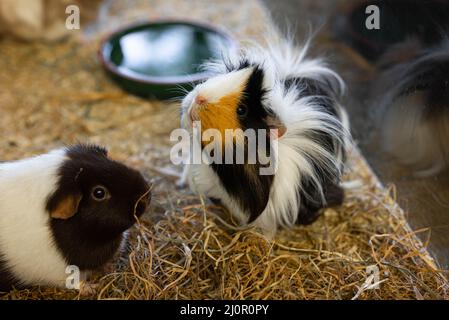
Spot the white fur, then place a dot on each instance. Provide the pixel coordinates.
(26, 242)
(279, 61)
(222, 85)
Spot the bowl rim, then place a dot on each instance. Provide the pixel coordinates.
(156, 80)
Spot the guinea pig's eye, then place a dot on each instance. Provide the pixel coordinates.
(100, 193)
(242, 110)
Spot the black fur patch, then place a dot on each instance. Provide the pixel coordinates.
(252, 98)
(90, 238)
(311, 202)
(438, 94)
(246, 185)
(243, 181)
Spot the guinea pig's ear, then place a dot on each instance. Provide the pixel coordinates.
(65, 207)
(273, 122)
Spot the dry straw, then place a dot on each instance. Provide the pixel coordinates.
(186, 249)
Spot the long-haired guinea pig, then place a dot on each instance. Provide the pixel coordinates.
(295, 98)
(67, 207)
(413, 113)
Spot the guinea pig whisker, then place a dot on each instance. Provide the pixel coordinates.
(174, 100)
(181, 89)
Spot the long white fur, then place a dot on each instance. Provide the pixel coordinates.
(279, 60)
(223, 85)
(26, 242)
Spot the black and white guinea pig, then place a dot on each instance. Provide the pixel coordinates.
(272, 87)
(413, 110)
(67, 207)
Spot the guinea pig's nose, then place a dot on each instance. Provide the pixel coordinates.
(200, 100)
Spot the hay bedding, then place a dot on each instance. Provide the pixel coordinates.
(185, 248)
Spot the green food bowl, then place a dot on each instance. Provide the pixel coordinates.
(161, 59)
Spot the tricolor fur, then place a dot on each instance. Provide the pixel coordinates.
(273, 88)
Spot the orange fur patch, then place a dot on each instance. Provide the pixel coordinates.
(221, 115)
